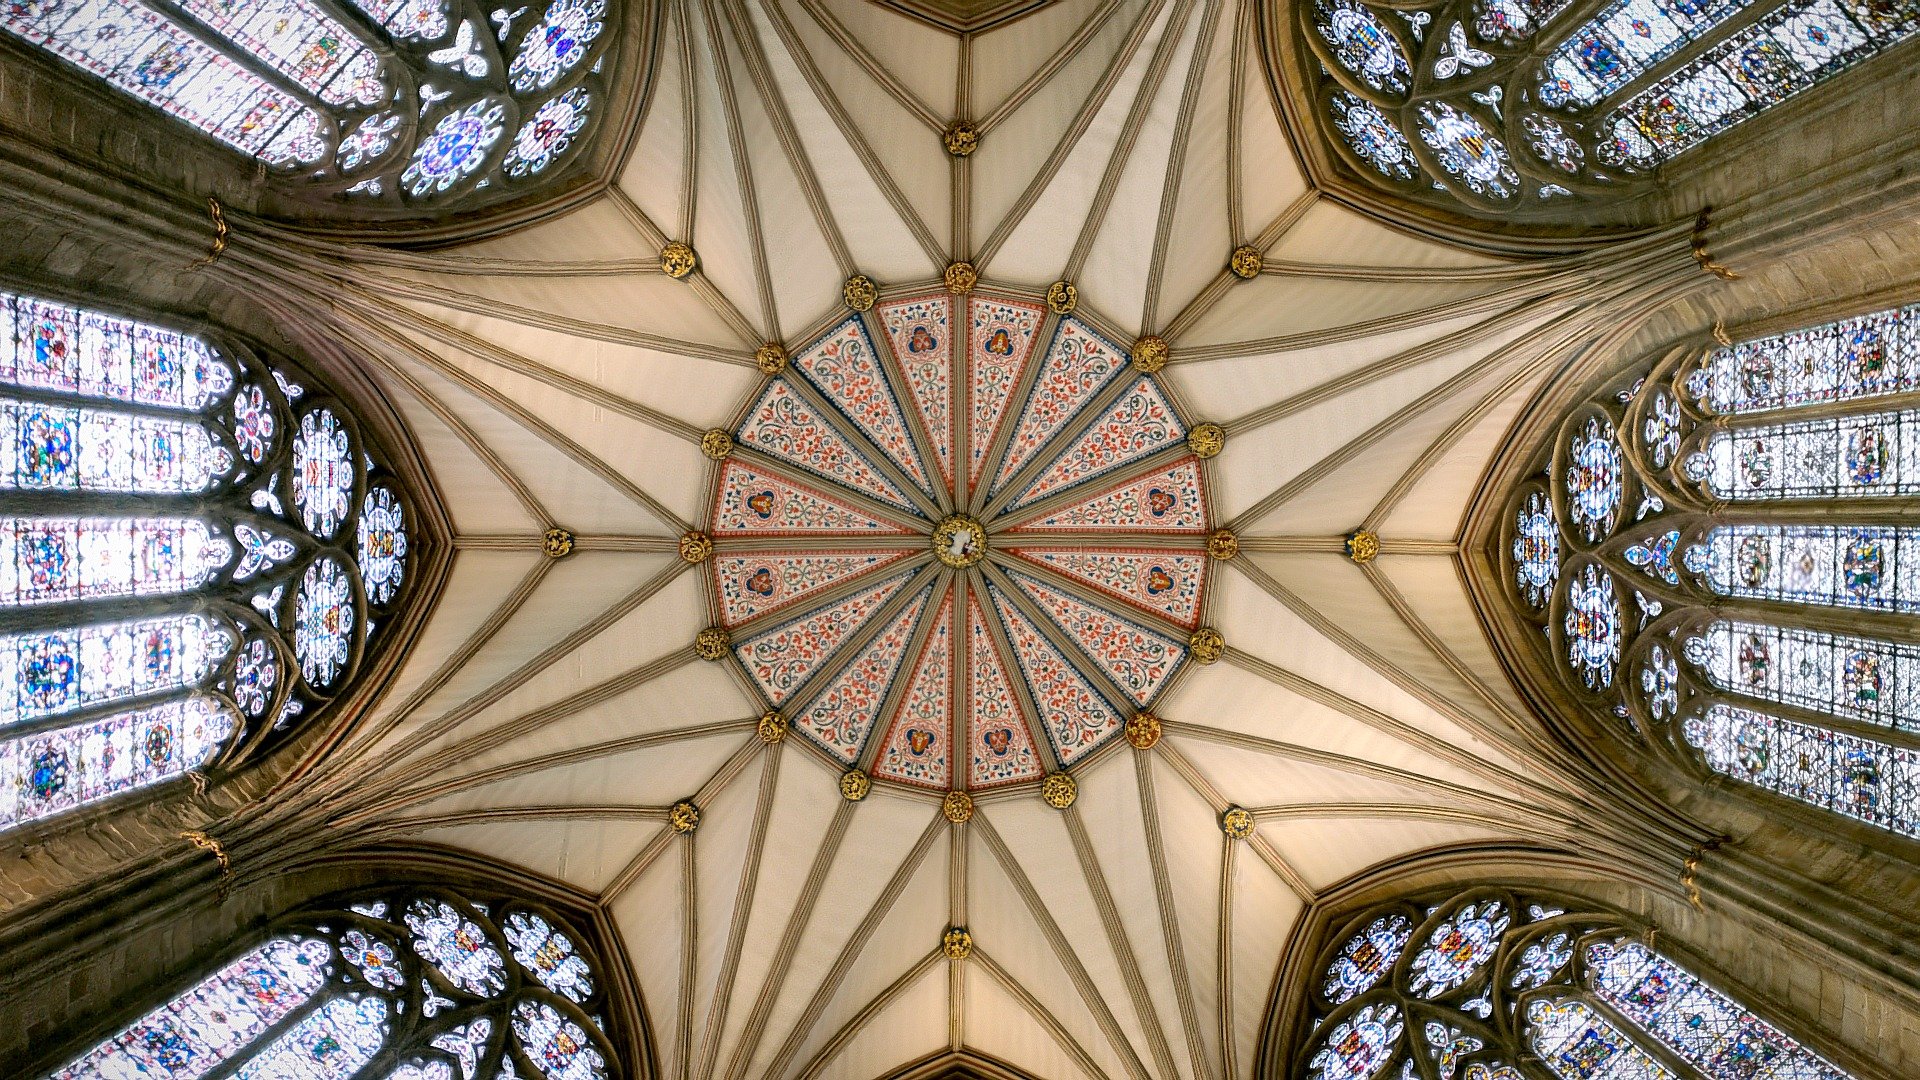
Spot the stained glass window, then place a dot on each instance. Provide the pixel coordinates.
(1684, 553)
(1504, 985)
(1587, 109)
(253, 560)
(312, 87)
(421, 984)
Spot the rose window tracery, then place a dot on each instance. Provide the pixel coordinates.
(959, 541)
(1716, 554)
(1493, 984)
(1516, 106)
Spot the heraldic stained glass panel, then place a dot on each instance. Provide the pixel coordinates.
(187, 579)
(1690, 592)
(1494, 984)
(396, 982)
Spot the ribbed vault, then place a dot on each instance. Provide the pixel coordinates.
(553, 710)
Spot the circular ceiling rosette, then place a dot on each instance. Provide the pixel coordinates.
(959, 540)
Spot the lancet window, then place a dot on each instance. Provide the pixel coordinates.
(391, 102)
(395, 984)
(1495, 984)
(1720, 557)
(197, 546)
(1515, 105)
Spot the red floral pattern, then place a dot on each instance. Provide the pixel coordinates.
(999, 743)
(1141, 422)
(782, 659)
(759, 503)
(1169, 500)
(845, 369)
(1078, 363)
(1138, 659)
(920, 331)
(783, 424)
(753, 585)
(1075, 716)
(999, 342)
(841, 716)
(918, 748)
(1165, 583)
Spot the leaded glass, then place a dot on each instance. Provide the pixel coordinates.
(1567, 988)
(224, 576)
(1854, 456)
(1593, 627)
(1536, 549)
(548, 133)
(456, 148)
(548, 954)
(1595, 479)
(331, 995)
(1363, 45)
(1861, 778)
(1699, 1023)
(1467, 151)
(1373, 136)
(49, 772)
(1829, 565)
(1861, 678)
(1845, 360)
(1366, 957)
(300, 40)
(457, 947)
(557, 43)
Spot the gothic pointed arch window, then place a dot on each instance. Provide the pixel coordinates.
(378, 103)
(409, 983)
(1521, 107)
(198, 547)
(1501, 984)
(1720, 557)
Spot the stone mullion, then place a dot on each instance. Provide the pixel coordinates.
(1049, 452)
(904, 676)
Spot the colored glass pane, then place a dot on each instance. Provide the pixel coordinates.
(1371, 135)
(1467, 151)
(1579, 1043)
(1860, 678)
(1829, 565)
(45, 560)
(1363, 45)
(1596, 475)
(51, 346)
(1536, 549)
(142, 52)
(421, 20)
(1358, 1047)
(333, 1042)
(57, 448)
(300, 40)
(1622, 41)
(1366, 957)
(549, 954)
(1855, 456)
(381, 545)
(1510, 22)
(52, 672)
(1593, 627)
(457, 947)
(322, 472)
(52, 771)
(460, 142)
(547, 134)
(210, 1024)
(1861, 778)
(1459, 948)
(1788, 51)
(1849, 359)
(557, 43)
(557, 1046)
(323, 622)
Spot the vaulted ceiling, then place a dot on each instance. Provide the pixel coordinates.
(553, 709)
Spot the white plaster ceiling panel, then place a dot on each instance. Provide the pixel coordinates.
(558, 375)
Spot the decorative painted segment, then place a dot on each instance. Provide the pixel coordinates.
(52, 672)
(1871, 455)
(1139, 423)
(1000, 340)
(49, 346)
(1579, 1043)
(1699, 1023)
(1138, 659)
(1078, 364)
(1873, 681)
(1165, 501)
(210, 1024)
(918, 748)
(755, 502)
(783, 658)
(1865, 356)
(1870, 567)
(45, 560)
(999, 744)
(843, 714)
(1864, 779)
(53, 771)
(844, 367)
(1075, 716)
(333, 1042)
(752, 585)
(921, 333)
(783, 424)
(1166, 583)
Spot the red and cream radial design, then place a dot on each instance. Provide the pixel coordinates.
(960, 542)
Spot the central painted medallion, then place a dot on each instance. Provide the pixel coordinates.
(960, 541)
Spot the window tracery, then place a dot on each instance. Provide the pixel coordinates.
(398, 983)
(196, 548)
(1493, 984)
(1715, 558)
(1515, 105)
(376, 102)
